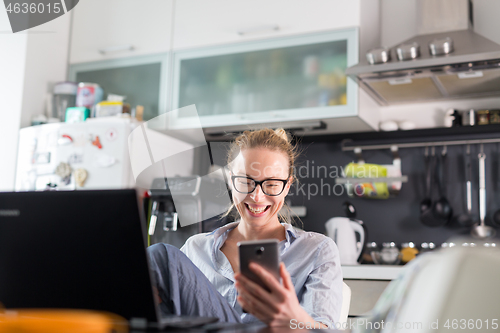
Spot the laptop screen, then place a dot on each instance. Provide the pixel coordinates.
(79, 250)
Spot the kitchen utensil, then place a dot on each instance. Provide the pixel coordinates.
(441, 208)
(378, 55)
(441, 46)
(408, 51)
(481, 230)
(343, 231)
(496, 217)
(426, 215)
(467, 219)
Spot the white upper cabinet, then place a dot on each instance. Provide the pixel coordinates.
(202, 23)
(113, 29)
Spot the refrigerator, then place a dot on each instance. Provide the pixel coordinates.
(88, 155)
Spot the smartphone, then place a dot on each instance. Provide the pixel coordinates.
(263, 252)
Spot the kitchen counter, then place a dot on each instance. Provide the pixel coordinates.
(372, 272)
(367, 283)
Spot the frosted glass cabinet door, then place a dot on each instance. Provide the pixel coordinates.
(276, 80)
(141, 79)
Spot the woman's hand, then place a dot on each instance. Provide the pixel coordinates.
(275, 308)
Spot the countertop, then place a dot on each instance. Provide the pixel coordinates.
(372, 272)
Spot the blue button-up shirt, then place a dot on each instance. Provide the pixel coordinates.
(312, 259)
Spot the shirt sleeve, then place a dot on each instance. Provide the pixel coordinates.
(323, 296)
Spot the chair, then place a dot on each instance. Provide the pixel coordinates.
(346, 303)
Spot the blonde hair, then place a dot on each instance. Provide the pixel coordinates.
(275, 140)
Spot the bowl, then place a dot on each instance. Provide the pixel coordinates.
(386, 257)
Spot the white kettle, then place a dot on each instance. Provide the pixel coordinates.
(343, 232)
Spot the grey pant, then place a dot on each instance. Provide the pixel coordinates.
(184, 289)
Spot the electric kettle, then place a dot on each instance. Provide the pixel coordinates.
(343, 232)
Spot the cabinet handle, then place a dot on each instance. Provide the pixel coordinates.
(117, 48)
(259, 29)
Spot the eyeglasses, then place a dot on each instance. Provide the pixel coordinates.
(247, 185)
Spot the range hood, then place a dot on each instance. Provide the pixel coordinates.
(471, 70)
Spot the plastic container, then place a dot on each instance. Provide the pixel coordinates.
(89, 94)
(77, 114)
(408, 252)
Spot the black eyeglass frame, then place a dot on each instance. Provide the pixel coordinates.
(257, 183)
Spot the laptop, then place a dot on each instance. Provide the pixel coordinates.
(79, 250)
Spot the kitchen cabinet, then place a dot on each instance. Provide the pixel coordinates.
(142, 79)
(367, 283)
(280, 80)
(119, 28)
(202, 23)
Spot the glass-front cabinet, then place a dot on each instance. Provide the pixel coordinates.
(142, 79)
(286, 79)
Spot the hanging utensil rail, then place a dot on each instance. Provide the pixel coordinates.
(352, 146)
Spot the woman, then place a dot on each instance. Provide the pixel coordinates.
(261, 171)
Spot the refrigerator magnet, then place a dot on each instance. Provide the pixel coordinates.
(111, 134)
(80, 177)
(97, 142)
(105, 161)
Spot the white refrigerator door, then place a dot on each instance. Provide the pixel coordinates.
(99, 147)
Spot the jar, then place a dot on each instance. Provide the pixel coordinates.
(408, 252)
(494, 116)
(426, 247)
(366, 257)
(389, 255)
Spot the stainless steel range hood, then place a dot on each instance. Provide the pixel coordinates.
(471, 70)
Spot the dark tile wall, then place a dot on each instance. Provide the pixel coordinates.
(394, 219)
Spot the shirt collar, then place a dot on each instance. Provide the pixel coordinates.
(290, 234)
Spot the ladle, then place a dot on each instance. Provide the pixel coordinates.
(481, 230)
(467, 219)
(442, 209)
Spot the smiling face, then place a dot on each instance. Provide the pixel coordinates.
(260, 164)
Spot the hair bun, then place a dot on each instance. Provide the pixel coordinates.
(282, 134)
